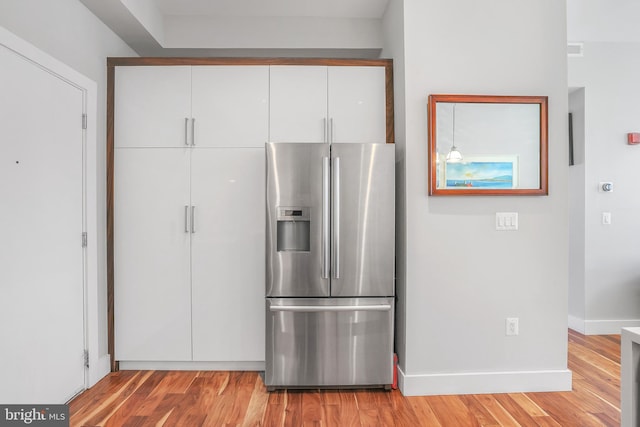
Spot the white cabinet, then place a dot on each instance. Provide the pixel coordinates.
(189, 254)
(327, 104)
(189, 212)
(189, 216)
(151, 247)
(357, 104)
(298, 97)
(228, 254)
(230, 106)
(204, 106)
(152, 106)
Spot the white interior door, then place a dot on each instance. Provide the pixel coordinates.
(41, 224)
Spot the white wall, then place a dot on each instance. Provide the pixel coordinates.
(271, 32)
(66, 30)
(576, 214)
(462, 278)
(393, 35)
(608, 72)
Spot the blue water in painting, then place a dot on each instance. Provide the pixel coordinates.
(478, 183)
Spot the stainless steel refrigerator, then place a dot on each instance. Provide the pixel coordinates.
(329, 265)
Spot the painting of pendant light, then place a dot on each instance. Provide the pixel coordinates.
(454, 156)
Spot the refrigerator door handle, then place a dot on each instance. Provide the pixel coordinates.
(336, 218)
(322, 308)
(325, 218)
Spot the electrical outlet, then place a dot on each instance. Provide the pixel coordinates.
(511, 325)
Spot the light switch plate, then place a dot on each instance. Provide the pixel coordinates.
(506, 221)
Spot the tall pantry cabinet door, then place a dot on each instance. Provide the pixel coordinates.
(152, 284)
(298, 99)
(152, 106)
(357, 104)
(228, 254)
(230, 106)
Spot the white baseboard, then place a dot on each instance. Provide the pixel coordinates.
(484, 382)
(577, 324)
(601, 327)
(191, 366)
(608, 327)
(98, 369)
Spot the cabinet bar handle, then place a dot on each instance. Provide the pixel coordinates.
(324, 130)
(331, 130)
(193, 219)
(186, 132)
(186, 219)
(193, 131)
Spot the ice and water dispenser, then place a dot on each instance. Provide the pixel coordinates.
(293, 229)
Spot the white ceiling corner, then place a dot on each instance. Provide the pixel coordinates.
(341, 28)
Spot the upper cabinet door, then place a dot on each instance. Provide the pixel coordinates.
(357, 104)
(298, 103)
(152, 106)
(230, 106)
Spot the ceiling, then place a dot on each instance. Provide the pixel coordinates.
(339, 28)
(291, 8)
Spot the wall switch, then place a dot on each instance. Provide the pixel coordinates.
(511, 325)
(606, 218)
(506, 221)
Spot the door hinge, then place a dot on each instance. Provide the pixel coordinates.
(84, 240)
(86, 358)
(84, 121)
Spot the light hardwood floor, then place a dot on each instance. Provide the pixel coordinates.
(203, 398)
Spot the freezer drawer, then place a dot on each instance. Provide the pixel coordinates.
(329, 342)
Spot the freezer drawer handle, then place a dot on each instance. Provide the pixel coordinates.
(321, 308)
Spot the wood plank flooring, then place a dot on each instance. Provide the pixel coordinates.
(205, 398)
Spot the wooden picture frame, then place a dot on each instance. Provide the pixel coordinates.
(490, 127)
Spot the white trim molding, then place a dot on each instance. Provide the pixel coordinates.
(577, 324)
(484, 382)
(608, 327)
(601, 327)
(190, 366)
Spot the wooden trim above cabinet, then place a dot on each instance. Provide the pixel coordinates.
(160, 61)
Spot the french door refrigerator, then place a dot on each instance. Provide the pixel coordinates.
(329, 265)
